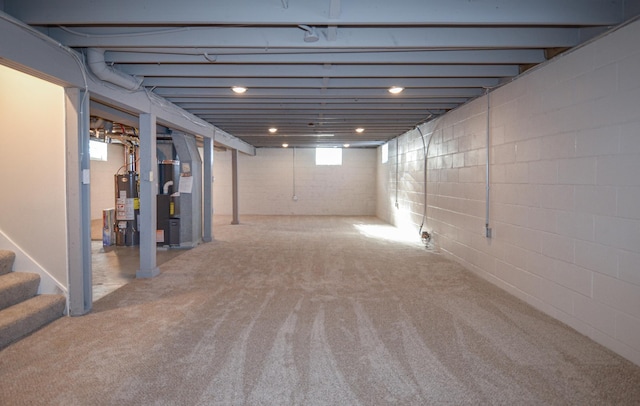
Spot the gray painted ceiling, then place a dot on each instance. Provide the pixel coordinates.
(443, 52)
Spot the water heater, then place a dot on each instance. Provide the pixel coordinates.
(127, 209)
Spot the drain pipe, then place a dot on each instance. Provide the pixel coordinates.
(165, 187)
(97, 64)
(487, 229)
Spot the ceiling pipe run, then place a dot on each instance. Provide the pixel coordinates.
(97, 65)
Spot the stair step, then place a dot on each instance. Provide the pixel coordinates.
(6, 261)
(26, 317)
(16, 287)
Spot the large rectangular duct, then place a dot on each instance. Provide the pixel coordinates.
(190, 188)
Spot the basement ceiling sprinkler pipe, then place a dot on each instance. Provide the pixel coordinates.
(97, 65)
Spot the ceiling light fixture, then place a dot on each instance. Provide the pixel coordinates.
(273, 130)
(359, 130)
(396, 89)
(346, 145)
(310, 34)
(239, 89)
(285, 145)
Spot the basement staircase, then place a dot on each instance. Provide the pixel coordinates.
(22, 310)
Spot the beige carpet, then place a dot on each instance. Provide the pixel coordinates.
(312, 311)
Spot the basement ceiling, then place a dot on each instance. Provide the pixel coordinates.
(319, 69)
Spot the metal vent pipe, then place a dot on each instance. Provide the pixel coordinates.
(97, 65)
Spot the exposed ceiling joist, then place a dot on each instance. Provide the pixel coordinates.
(335, 71)
(424, 38)
(256, 93)
(442, 52)
(317, 83)
(312, 12)
(219, 56)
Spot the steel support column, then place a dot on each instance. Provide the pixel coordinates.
(78, 199)
(148, 192)
(207, 198)
(234, 181)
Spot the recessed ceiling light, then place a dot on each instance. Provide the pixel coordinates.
(359, 130)
(239, 89)
(273, 130)
(395, 89)
(285, 145)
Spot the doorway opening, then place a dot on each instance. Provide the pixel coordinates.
(115, 243)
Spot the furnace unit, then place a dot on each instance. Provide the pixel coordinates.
(168, 203)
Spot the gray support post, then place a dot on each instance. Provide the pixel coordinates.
(234, 181)
(148, 192)
(78, 202)
(207, 197)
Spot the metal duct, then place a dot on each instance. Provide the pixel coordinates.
(97, 64)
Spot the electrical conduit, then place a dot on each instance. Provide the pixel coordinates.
(425, 147)
(487, 229)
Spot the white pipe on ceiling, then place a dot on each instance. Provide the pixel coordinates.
(97, 64)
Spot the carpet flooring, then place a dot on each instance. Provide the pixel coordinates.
(312, 311)
(113, 266)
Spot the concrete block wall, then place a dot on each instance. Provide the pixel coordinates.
(400, 193)
(266, 183)
(564, 188)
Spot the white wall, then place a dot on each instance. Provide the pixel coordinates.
(565, 188)
(33, 198)
(266, 183)
(102, 180)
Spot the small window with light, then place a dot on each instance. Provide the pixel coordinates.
(385, 153)
(97, 150)
(328, 156)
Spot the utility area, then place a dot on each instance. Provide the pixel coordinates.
(116, 235)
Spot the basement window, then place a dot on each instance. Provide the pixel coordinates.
(97, 150)
(328, 156)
